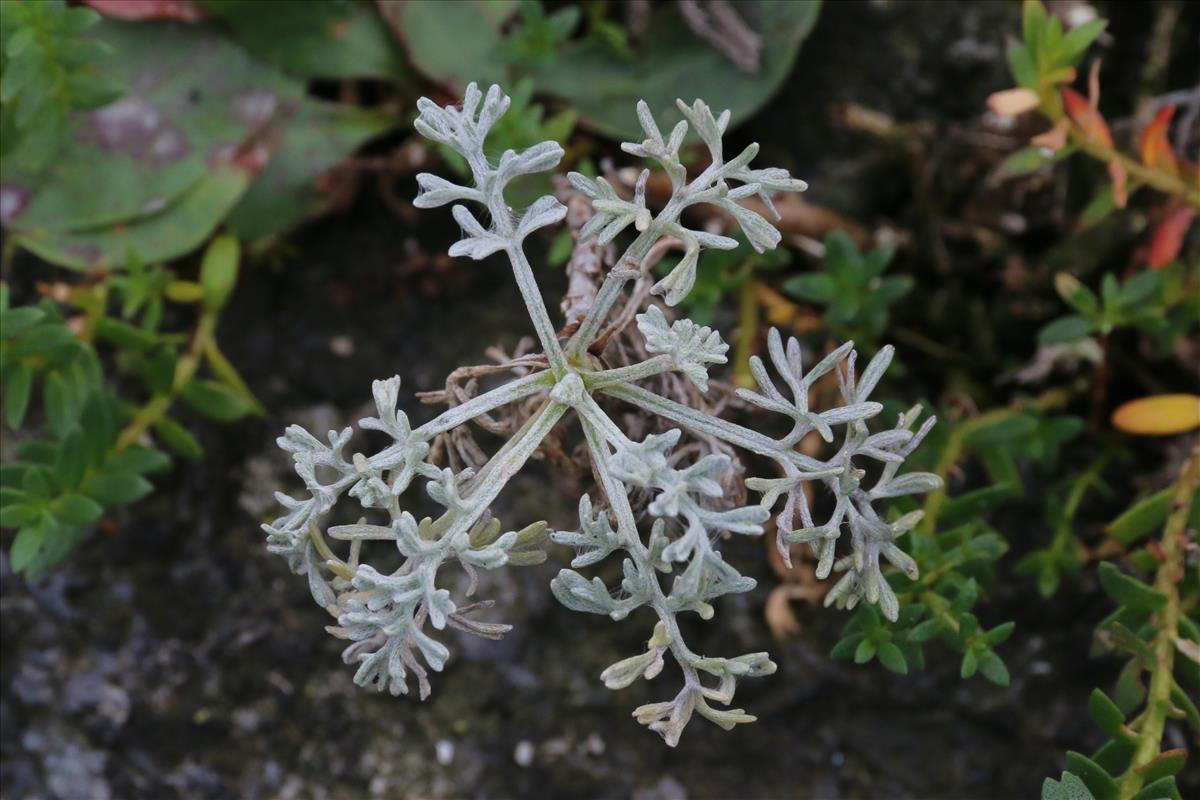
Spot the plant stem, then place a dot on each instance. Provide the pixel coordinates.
(505, 223)
(595, 381)
(632, 259)
(631, 542)
(94, 312)
(747, 330)
(185, 369)
(226, 372)
(507, 462)
(950, 456)
(1154, 178)
(609, 291)
(537, 310)
(501, 395)
(332, 562)
(937, 607)
(1062, 532)
(705, 425)
(1100, 381)
(956, 445)
(1170, 573)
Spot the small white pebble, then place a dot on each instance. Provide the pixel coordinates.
(246, 719)
(445, 751)
(342, 346)
(523, 754)
(1013, 223)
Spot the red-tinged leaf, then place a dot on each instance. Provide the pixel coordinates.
(182, 10)
(252, 157)
(1085, 113)
(1086, 118)
(1074, 102)
(1168, 762)
(1167, 239)
(1154, 145)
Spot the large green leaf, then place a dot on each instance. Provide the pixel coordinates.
(315, 138)
(153, 174)
(194, 99)
(180, 228)
(343, 39)
(454, 43)
(675, 63)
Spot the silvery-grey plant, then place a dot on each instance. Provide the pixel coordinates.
(674, 566)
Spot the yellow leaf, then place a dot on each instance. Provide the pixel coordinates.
(1159, 415)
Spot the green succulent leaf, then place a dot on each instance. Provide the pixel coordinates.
(1069, 787)
(891, 657)
(1105, 712)
(1161, 789)
(177, 438)
(1127, 590)
(1144, 516)
(18, 386)
(215, 400)
(28, 544)
(1098, 781)
(117, 488)
(139, 460)
(1066, 329)
(76, 509)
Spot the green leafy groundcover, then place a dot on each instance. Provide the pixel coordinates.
(92, 449)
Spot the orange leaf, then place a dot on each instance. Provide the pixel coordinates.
(1154, 145)
(1168, 236)
(1011, 102)
(1054, 139)
(1159, 415)
(1086, 117)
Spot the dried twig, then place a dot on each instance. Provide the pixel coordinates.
(717, 23)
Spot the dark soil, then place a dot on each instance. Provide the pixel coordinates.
(174, 657)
